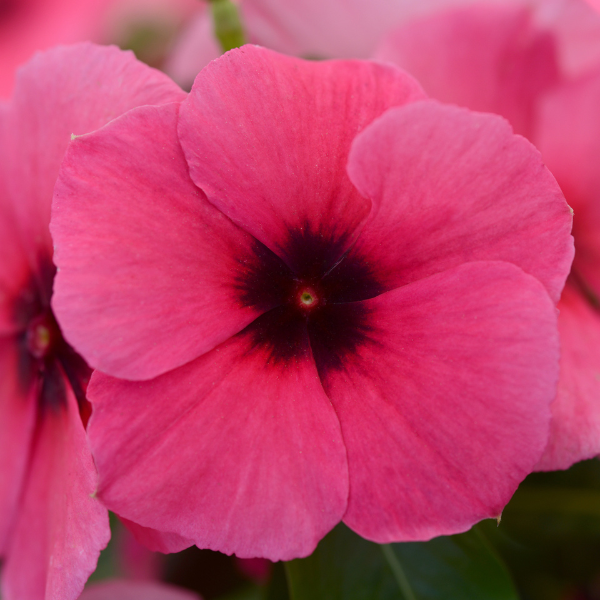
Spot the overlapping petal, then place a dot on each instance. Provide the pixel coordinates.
(232, 450)
(18, 409)
(485, 197)
(432, 404)
(83, 87)
(167, 264)
(485, 57)
(157, 541)
(568, 137)
(61, 527)
(575, 426)
(267, 138)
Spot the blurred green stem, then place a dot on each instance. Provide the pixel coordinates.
(399, 575)
(227, 24)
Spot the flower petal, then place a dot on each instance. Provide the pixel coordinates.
(61, 527)
(432, 405)
(568, 137)
(14, 266)
(194, 49)
(450, 186)
(148, 269)
(158, 541)
(135, 590)
(575, 425)
(486, 58)
(17, 417)
(83, 88)
(267, 137)
(236, 451)
(332, 29)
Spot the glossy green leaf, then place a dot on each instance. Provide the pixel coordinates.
(346, 567)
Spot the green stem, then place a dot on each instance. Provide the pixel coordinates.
(227, 24)
(398, 571)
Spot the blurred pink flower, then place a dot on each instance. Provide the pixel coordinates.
(503, 60)
(51, 527)
(135, 590)
(27, 26)
(344, 327)
(30, 25)
(568, 135)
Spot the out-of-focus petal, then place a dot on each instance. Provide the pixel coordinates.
(569, 139)
(486, 58)
(158, 541)
(575, 425)
(194, 49)
(135, 590)
(17, 416)
(83, 86)
(61, 526)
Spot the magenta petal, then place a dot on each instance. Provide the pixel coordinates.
(166, 263)
(61, 527)
(235, 451)
(17, 417)
(486, 58)
(83, 88)
(575, 425)
(135, 590)
(432, 405)
(194, 49)
(448, 186)
(267, 137)
(14, 264)
(158, 541)
(569, 138)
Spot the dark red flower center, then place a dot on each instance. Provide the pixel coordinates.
(312, 306)
(47, 363)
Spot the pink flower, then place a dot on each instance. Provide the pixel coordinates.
(346, 313)
(29, 26)
(500, 60)
(130, 590)
(569, 137)
(51, 527)
(487, 58)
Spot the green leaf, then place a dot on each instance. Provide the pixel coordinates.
(346, 567)
(227, 24)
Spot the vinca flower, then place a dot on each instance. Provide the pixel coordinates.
(311, 295)
(52, 527)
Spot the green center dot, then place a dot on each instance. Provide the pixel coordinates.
(307, 298)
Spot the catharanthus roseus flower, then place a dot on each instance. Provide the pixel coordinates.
(51, 527)
(498, 59)
(307, 307)
(568, 135)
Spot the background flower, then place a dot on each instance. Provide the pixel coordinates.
(52, 528)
